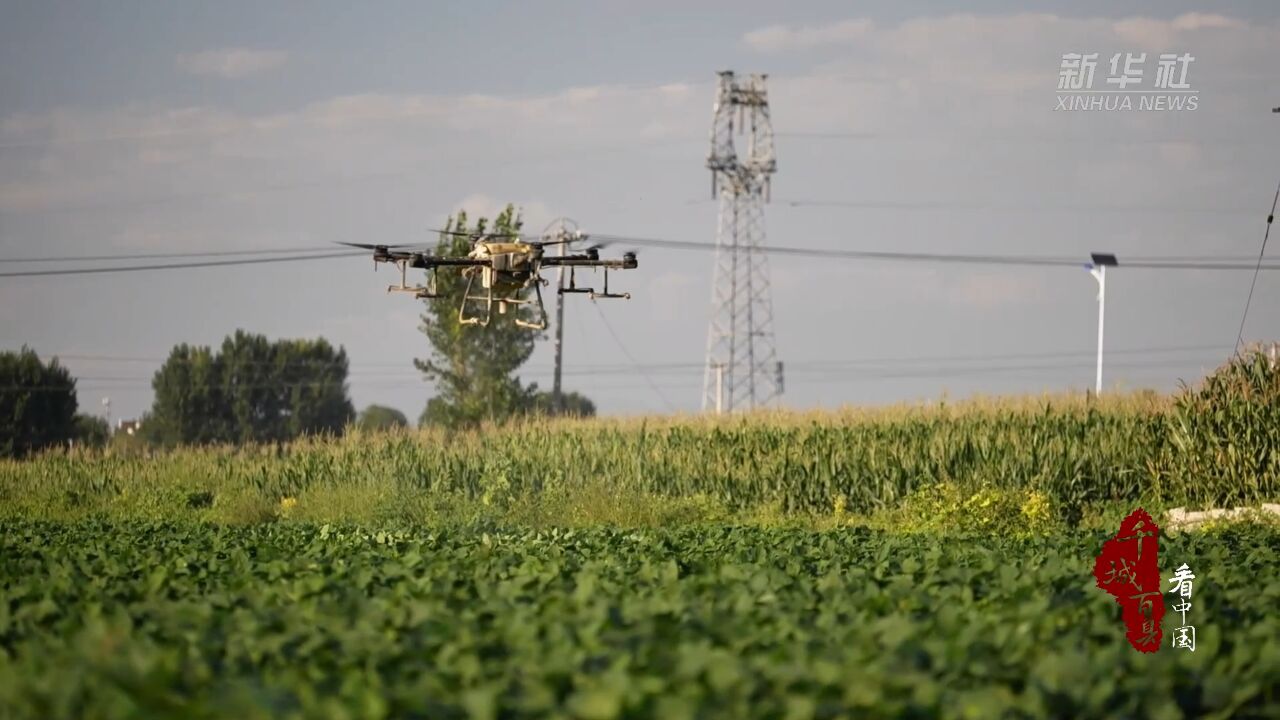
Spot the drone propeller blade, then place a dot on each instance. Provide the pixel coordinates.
(367, 246)
(477, 235)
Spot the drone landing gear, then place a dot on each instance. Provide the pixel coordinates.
(541, 323)
(467, 298)
(488, 299)
(591, 293)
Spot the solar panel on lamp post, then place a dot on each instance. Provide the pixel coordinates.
(1098, 269)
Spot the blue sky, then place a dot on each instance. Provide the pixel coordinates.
(150, 126)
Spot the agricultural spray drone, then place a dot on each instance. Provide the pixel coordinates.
(506, 265)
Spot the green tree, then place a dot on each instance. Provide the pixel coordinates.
(572, 404)
(251, 390)
(279, 391)
(37, 403)
(190, 405)
(91, 430)
(474, 367)
(253, 396)
(377, 418)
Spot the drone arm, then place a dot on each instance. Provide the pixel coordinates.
(428, 262)
(628, 263)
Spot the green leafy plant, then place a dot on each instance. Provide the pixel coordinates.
(162, 619)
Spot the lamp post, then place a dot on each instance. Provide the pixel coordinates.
(1098, 269)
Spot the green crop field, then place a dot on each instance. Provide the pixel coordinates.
(1069, 457)
(926, 562)
(163, 620)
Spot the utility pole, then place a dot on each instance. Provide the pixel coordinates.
(563, 234)
(778, 376)
(741, 368)
(106, 404)
(1098, 269)
(557, 402)
(719, 389)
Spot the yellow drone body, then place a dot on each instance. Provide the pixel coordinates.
(509, 266)
(505, 270)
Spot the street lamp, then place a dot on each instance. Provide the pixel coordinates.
(1098, 269)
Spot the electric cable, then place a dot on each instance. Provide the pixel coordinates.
(176, 266)
(658, 391)
(1261, 251)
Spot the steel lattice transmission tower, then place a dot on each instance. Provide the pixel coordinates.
(742, 369)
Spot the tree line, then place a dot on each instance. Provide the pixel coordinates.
(255, 390)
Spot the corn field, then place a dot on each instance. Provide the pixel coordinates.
(1213, 446)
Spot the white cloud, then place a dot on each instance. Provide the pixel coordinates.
(231, 63)
(987, 74)
(1161, 35)
(161, 149)
(1196, 21)
(982, 33)
(776, 38)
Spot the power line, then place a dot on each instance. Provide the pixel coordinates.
(1015, 375)
(137, 359)
(658, 391)
(821, 376)
(1159, 265)
(176, 266)
(392, 369)
(1006, 371)
(992, 206)
(1261, 251)
(671, 244)
(157, 256)
(693, 364)
(1013, 356)
(1154, 263)
(974, 259)
(1161, 262)
(925, 372)
(979, 205)
(218, 386)
(876, 135)
(851, 254)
